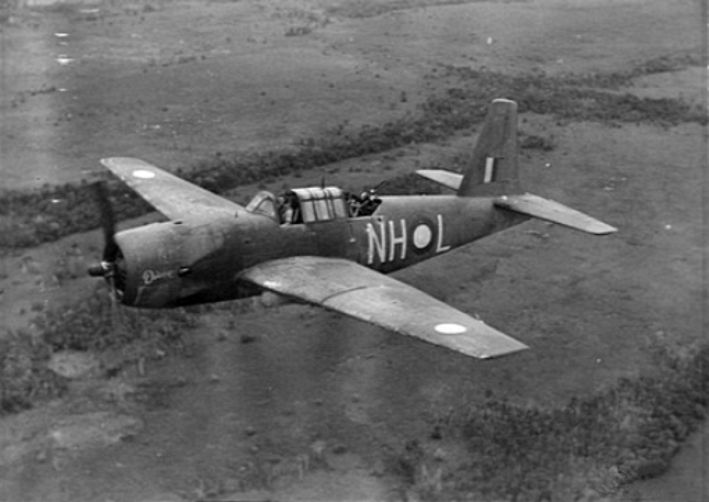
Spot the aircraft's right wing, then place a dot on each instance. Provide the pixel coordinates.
(363, 293)
(172, 196)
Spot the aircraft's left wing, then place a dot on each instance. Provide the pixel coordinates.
(172, 196)
(352, 289)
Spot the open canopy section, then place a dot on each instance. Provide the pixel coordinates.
(314, 204)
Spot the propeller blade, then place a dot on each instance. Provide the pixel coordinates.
(108, 222)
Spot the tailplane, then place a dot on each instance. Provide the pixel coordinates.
(493, 170)
(493, 173)
(554, 212)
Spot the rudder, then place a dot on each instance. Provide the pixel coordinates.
(494, 170)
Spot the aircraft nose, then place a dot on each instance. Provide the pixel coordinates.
(96, 270)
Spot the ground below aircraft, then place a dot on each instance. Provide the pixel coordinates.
(326, 247)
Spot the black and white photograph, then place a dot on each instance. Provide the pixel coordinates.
(354, 251)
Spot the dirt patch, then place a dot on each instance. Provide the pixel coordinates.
(73, 364)
(92, 430)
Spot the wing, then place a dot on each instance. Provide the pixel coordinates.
(365, 294)
(172, 196)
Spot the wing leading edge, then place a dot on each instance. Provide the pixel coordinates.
(350, 288)
(172, 196)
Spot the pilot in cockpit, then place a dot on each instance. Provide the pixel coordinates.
(288, 208)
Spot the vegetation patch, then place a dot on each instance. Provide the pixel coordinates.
(359, 9)
(580, 98)
(118, 335)
(24, 376)
(408, 184)
(30, 218)
(592, 445)
(534, 142)
(98, 323)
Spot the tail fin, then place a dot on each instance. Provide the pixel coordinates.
(493, 172)
(494, 167)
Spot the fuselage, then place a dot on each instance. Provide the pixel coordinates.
(196, 261)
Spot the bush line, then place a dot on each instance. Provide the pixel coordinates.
(593, 445)
(30, 218)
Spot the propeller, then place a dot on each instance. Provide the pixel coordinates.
(108, 222)
(111, 252)
(111, 266)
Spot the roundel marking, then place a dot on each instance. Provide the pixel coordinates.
(422, 236)
(450, 328)
(144, 174)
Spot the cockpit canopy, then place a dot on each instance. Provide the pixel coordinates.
(264, 203)
(320, 203)
(313, 204)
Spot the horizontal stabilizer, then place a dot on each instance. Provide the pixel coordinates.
(545, 209)
(448, 179)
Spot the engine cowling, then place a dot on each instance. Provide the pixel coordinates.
(163, 264)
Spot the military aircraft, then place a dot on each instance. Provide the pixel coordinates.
(326, 247)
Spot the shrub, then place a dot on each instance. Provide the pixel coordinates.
(24, 376)
(408, 184)
(597, 443)
(534, 142)
(119, 335)
(99, 323)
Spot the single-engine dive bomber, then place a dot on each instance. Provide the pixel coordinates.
(327, 247)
